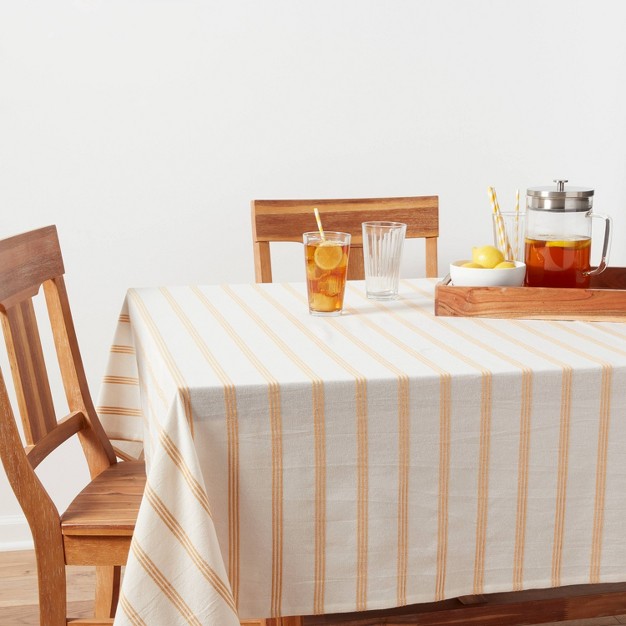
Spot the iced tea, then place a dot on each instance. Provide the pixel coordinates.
(326, 268)
(561, 263)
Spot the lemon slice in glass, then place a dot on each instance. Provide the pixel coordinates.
(328, 255)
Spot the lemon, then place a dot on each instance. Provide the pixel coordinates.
(487, 256)
(569, 243)
(323, 303)
(470, 264)
(505, 265)
(328, 255)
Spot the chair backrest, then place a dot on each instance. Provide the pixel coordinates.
(27, 262)
(286, 220)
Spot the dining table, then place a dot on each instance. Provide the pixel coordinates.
(304, 465)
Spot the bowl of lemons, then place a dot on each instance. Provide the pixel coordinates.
(487, 268)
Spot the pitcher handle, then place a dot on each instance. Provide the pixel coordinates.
(605, 247)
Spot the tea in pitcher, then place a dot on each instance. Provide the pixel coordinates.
(557, 263)
(558, 236)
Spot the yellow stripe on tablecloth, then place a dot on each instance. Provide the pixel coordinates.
(319, 433)
(610, 331)
(445, 402)
(174, 453)
(404, 458)
(163, 584)
(362, 495)
(232, 429)
(522, 481)
(562, 474)
(155, 384)
(483, 483)
(145, 361)
(119, 410)
(577, 328)
(601, 465)
(275, 416)
(319, 425)
(167, 356)
(166, 441)
(130, 612)
(485, 427)
(124, 318)
(361, 421)
(525, 428)
(178, 531)
(118, 349)
(120, 380)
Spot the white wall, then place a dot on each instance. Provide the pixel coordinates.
(144, 128)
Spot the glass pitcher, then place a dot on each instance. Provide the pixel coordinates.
(558, 236)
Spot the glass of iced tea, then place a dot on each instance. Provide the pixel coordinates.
(326, 268)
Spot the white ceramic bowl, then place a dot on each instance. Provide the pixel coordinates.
(481, 277)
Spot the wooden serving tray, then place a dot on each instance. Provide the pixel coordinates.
(604, 301)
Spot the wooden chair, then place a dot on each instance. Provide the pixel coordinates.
(286, 220)
(97, 527)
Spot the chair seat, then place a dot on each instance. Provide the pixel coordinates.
(109, 504)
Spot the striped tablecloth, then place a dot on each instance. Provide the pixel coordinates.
(301, 465)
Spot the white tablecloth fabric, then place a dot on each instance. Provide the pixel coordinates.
(301, 465)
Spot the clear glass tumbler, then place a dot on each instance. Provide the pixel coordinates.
(508, 234)
(382, 252)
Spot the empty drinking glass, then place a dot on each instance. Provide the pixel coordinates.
(382, 251)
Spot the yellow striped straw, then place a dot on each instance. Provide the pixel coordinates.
(494, 208)
(503, 240)
(319, 223)
(517, 242)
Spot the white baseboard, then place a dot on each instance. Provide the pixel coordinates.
(14, 533)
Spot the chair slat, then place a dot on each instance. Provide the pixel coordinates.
(286, 220)
(96, 445)
(356, 269)
(29, 371)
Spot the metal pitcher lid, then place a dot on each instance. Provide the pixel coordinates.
(558, 198)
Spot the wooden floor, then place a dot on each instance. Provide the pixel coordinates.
(18, 593)
(18, 590)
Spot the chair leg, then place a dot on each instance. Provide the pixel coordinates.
(107, 590)
(52, 588)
